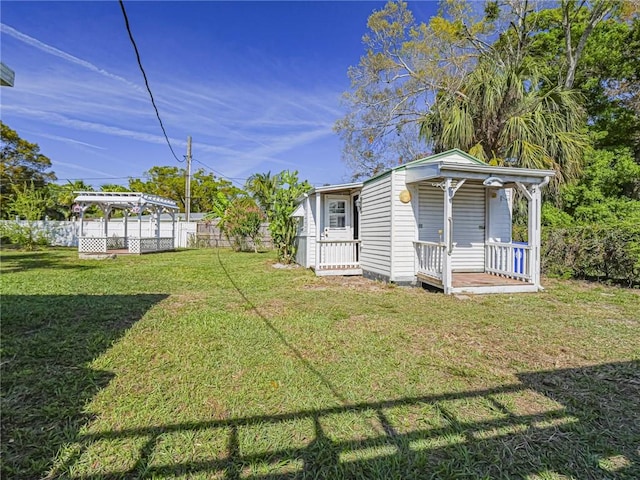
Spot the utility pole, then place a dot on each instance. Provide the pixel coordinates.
(187, 188)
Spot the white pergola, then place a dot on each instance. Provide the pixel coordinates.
(129, 202)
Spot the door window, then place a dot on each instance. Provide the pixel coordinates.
(337, 213)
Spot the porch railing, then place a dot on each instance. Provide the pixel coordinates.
(339, 254)
(429, 256)
(508, 259)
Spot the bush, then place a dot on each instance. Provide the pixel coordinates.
(242, 221)
(604, 252)
(24, 234)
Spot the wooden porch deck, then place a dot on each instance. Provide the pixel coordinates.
(479, 282)
(482, 279)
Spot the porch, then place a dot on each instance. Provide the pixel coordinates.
(464, 235)
(508, 269)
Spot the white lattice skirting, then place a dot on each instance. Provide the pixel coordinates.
(134, 245)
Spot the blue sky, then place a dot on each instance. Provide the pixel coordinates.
(256, 84)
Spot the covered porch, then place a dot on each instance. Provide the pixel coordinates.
(131, 239)
(328, 234)
(464, 222)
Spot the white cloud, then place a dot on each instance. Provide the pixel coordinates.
(82, 168)
(70, 141)
(6, 29)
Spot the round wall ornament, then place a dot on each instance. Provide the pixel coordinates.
(405, 196)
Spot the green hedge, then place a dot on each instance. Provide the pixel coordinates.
(604, 252)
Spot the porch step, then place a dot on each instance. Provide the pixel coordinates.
(344, 271)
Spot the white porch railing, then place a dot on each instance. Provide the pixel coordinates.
(508, 259)
(429, 256)
(339, 254)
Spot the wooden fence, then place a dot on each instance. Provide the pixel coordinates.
(208, 235)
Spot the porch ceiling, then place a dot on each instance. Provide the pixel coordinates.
(507, 175)
(348, 187)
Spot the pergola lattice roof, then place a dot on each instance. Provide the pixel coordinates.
(126, 199)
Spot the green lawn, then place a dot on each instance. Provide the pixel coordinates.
(210, 364)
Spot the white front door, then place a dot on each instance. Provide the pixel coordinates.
(337, 218)
(468, 229)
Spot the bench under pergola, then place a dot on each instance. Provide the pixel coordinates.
(132, 241)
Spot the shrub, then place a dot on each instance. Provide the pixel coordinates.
(24, 234)
(283, 226)
(242, 221)
(605, 252)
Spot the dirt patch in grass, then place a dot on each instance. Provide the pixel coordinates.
(354, 282)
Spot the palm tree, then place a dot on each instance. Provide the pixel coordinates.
(506, 116)
(64, 197)
(262, 187)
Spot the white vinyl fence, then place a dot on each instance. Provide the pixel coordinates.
(66, 233)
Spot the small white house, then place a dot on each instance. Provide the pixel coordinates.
(443, 220)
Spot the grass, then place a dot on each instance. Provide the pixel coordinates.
(208, 364)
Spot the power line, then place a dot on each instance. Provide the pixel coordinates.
(222, 175)
(93, 178)
(146, 81)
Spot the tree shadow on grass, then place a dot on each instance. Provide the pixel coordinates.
(18, 262)
(47, 343)
(592, 433)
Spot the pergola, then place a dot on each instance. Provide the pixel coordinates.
(132, 241)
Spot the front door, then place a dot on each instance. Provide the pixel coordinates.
(468, 229)
(337, 218)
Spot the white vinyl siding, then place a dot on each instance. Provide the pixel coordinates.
(404, 233)
(375, 226)
(468, 229)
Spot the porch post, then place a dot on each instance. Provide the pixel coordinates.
(318, 220)
(534, 213)
(448, 235)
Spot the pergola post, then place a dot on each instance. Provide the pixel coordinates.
(105, 217)
(173, 227)
(156, 216)
(82, 209)
(126, 229)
